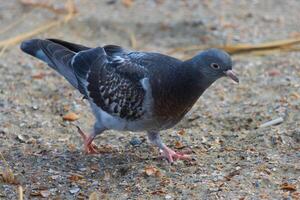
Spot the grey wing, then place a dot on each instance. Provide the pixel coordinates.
(112, 81)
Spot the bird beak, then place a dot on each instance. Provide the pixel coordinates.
(232, 75)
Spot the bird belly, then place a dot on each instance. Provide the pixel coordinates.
(146, 123)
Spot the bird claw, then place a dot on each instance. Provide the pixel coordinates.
(89, 146)
(91, 149)
(172, 156)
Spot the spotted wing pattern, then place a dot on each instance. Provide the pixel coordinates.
(113, 81)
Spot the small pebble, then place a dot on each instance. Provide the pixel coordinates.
(82, 169)
(23, 138)
(135, 142)
(35, 107)
(45, 193)
(74, 190)
(256, 184)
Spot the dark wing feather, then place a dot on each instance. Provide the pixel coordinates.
(59, 58)
(113, 50)
(112, 83)
(71, 46)
(57, 54)
(82, 63)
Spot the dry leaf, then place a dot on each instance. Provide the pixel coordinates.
(45, 193)
(295, 95)
(181, 132)
(38, 75)
(66, 108)
(296, 195)
(294, 34)
(71, 147)
(8, 176)
(105, 149)
(178, 145)
(35, 193)
(94, 196)
(165, 181)
(228, 148)
(127, 3)
(70, 116)
(75, 177)
(158, 192)
(107, 176)
(287, 186)
(150, 171)
(274, 72)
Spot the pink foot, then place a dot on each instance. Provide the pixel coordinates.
(172, 156)
(89, 147)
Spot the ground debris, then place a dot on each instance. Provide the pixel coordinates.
(234, 157)
(40, 75)
(74, 190)
(152, 171)
(8, 176)
(127, 3)
(159, 192)
(71, 116)
(288, 186)
(272, 122)
(94, 196)
(45, 193)
(59, 9)
(181, 132)
(231, 175)
(75, 177)
(179, 145)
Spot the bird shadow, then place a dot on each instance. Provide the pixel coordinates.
(34, 165)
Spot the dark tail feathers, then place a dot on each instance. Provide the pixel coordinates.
(57, 54)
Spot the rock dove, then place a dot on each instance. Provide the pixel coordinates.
(131, 90)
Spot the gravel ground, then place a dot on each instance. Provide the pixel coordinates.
(234, 157)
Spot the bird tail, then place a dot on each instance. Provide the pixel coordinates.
(57, 54)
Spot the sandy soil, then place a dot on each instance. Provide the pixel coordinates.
(235, 159)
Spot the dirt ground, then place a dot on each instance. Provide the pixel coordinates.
(234, 157)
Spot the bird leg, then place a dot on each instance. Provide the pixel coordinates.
(89, 146)
(168, 153)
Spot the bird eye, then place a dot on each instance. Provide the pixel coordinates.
(215, 65)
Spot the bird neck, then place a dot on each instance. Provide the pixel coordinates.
(198, 75)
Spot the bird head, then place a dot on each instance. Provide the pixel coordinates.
(214, 64)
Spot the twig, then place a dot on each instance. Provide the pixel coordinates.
(8, 175)
(132, 40)
(20, 191)
(272, 122)
(4, 161)
(3, 50)
(44, 4)
(15, 23)
(17, 39)
(287, 44)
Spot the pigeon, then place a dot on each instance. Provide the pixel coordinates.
(133, 90)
